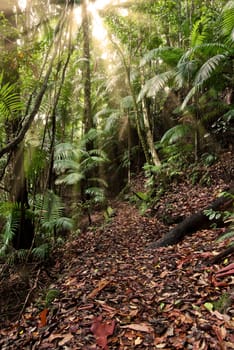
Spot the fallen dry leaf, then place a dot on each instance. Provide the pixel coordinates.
(43, 317)
(66, 338)
(141, 327)
(102, 329)
(101, 285)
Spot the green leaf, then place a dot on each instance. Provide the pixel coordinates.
(209, 306)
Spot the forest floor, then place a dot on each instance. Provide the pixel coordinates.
(109, 291)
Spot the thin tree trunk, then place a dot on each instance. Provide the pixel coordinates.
(88, 119)
(149, 135)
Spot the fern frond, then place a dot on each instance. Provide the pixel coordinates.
(12, 220)
(97, 194)
(41, 252)
(64, 223)
(199, 33)
(226, 235)
(49, 208)
(10, 102)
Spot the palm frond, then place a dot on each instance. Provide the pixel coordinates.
(208, 68)
(175, 134)
(90, 136)
(184, 72)
(61, 165)
(191, 93)
(228, 19)
(70, 179)
(169, 55)
(155, 84)
(112, 120)
(204, 50)
(126, 102)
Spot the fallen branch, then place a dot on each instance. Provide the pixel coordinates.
(218, 258)
(194, 222)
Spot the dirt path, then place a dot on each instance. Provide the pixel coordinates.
(113, 290)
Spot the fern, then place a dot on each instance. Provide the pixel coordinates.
(199, 32)
(50, 210)
(10, 213)
(41, 252)
(10, 102)
(97, 194)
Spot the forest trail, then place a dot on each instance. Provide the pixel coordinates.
(113, 293)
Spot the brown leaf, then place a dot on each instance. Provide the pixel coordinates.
(66, 338)
(43, 318)
(141, 327)
(54, 336)
(101, 330)
(101, 285)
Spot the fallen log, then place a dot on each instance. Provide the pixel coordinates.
(195, 222)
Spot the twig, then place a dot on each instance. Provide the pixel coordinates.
(29, 294)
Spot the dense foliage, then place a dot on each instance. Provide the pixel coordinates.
(81, 110)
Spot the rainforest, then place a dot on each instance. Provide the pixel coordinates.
(116, 174)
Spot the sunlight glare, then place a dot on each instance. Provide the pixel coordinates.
(99, 30)
(22, 4)
(78, 15)
(101, 4)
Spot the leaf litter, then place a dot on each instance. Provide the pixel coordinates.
(116, 294)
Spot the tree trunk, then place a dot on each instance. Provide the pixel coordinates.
(24, 231)
(149, 135)
(194, 223)
(88, 119)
